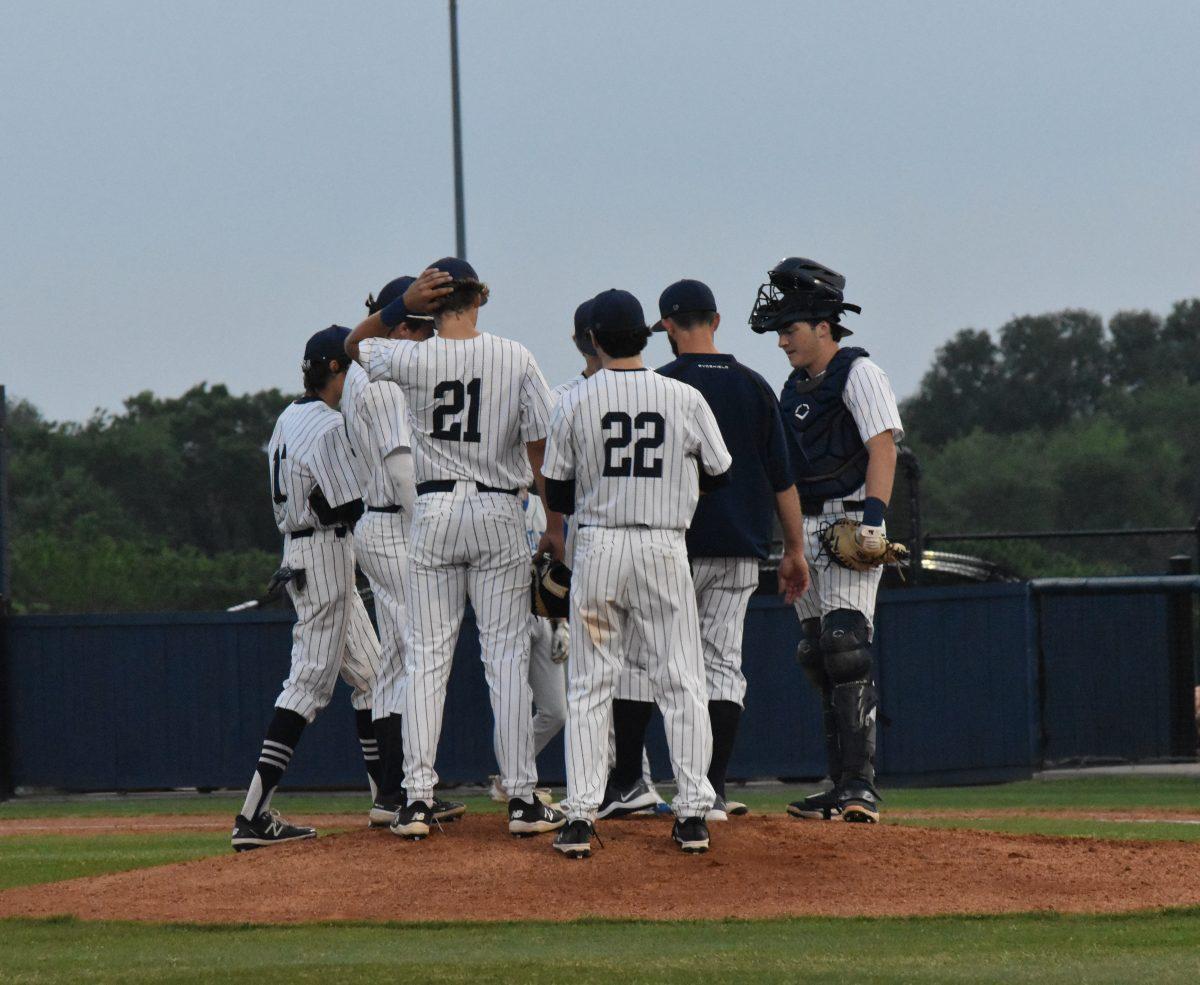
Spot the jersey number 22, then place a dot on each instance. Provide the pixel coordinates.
(618, 430)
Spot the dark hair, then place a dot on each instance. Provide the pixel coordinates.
(691, 319)
(317, 373)
(622, 345)
(462, 298)
(836, 331)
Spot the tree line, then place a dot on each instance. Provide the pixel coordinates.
(1058, 422)
(1054, 421)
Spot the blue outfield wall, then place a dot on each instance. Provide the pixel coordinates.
(181, 700)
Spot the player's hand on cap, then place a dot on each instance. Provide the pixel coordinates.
(428, 289)
(793, 576)
(872, 539)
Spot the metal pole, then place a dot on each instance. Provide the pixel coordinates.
(6, 700)
(460, 222)
(1182, 664)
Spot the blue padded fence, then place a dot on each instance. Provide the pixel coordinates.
(127, 702)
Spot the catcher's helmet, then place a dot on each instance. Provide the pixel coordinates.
(799, 290)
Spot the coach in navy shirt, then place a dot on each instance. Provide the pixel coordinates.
(730, 534)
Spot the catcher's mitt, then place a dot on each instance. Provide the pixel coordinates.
(550, 588)
(841, 542)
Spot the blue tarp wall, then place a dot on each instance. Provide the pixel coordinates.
(128, 702)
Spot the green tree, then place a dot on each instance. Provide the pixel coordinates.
(958, 392)
(1053, 367)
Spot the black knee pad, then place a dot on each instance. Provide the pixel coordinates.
(844, 647)
(808, 652)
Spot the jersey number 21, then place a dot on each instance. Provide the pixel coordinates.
(453, 396)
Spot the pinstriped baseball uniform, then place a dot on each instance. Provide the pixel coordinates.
(634, 443)
(333, 633)
(731, 530)
(547, 679)
(872, 403)
(473, 404)
(628, 674)
(377, 425)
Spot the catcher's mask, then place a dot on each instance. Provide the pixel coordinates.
(799, 290)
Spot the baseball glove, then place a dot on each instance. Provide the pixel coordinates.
(550, 588)
(841, 542)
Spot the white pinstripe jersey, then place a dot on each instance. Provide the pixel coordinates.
(871, 400)
(472, 405)
(309, 448)
(377, 424)
(633, 442)
(563, 389)
(872, 404)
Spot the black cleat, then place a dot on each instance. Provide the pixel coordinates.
(412, 821)
(575, 839)
(691, 834)
(266, 829)
(382, 815)
(532, 817)
(820, 806)
(620, 803)
(859, 802)
(447, 810)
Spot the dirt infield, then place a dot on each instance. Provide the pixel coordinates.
(759, 867)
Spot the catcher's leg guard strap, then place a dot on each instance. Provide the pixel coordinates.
(813, 661)
(849, 667)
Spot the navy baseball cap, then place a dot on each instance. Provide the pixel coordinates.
(456, 268)
(617, 311)
(393, 290)
(329, 343)
(583, 328)
(683, 297)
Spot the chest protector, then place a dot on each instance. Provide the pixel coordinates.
(833, 459)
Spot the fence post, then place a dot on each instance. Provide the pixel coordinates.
(1181, 633)
(7, 701)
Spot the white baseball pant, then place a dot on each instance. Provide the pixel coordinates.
(333, 633)
(835, 587)
(630, 582)
(466, 544)
(381, 545)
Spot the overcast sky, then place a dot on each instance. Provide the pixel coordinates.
(191, 189)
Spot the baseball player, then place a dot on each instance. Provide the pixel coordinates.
(845, 425)
(478, 408)
(548, 646)
(728, 537)
(583, 342)
(628, 453)
(377, 425)
(643, 798)
(316, 490)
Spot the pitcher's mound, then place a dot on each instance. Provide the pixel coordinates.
(757, 867)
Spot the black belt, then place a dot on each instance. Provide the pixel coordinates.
(309, 531)
(812, 505)
(447, 485)
(384, 509)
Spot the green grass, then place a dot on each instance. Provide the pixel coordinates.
(1066, 827)
(28, 859)
(1158, 947)
(1098, 793)
(1101, 793)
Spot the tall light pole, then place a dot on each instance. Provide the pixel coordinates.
(460, 222)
